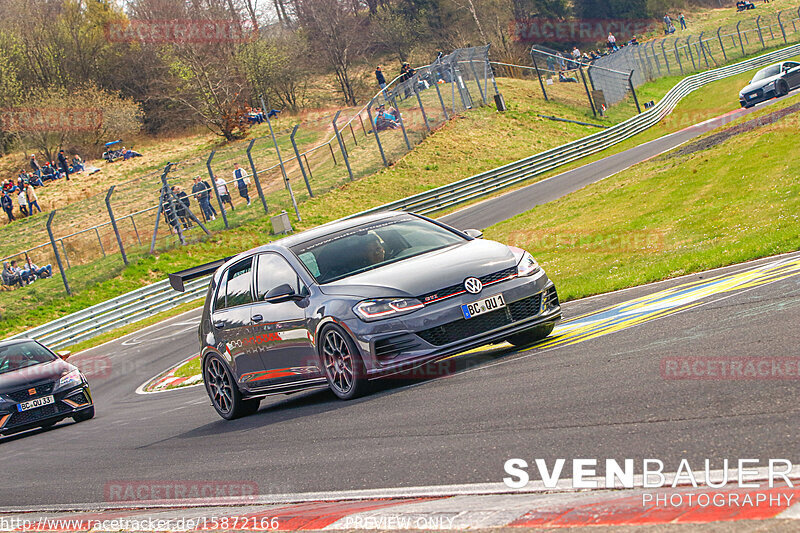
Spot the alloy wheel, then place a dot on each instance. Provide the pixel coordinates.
(219, 385)
(338, 362)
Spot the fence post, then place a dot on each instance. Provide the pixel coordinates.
(136, 231)
(741, 43)
(375, 131)
(633, 92)
(114, 224)
(760, 36)
(300, 161)
(475, 73)
(783, 32)
(403, 127)
(655, 56)
(155, 226)
(441, 100)
(280, 159)
(216, 193)
(419, 101)
(255, 175)
(678, 56)
(689, 50)
(588, 95)
(173, 211)
(341, 144)
(350, 125)
(100, 241)
(538, 74)
(722, 46)
(64, 249)
(703, 49)
(664, 53)
(55, 251)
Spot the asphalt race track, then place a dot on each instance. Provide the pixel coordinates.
(494, 210)
(599, 395)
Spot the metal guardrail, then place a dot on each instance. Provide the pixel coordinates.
(159, 297)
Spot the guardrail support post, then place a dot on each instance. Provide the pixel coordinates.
(741, 43)
(300, 161)
(722, 46)
(538, 74)
(55, 251)
(216, 193)
(633, 92)
(114, 225)
(375, 131)
(255, 174)
(341, 144)
(783, 32)
(760, 36)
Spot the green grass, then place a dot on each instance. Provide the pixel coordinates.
(188, 369)
(736, 201)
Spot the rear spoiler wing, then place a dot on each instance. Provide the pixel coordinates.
(177, 279)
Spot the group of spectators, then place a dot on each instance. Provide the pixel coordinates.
(21, 191)
(257, 116)
(19, 276)
(201, 191)
(669, 27)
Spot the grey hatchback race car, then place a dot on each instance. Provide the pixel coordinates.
(771, 82)
(357, 300)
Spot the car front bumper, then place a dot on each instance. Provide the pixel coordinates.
(66, 404)
(440, 329)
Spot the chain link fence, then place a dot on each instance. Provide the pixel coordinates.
(278, 172)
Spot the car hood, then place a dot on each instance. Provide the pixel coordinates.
(428, 272)
(11, 381)
(759, 84)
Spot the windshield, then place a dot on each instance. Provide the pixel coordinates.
(768, 72)
(23, 355)
(370, 246)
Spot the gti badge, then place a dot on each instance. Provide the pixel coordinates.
(473, 285)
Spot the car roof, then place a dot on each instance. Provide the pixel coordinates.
(315, 233)
(11, 342)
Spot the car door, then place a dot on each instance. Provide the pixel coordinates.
(231, 318)
(792, 74)
(280, 330)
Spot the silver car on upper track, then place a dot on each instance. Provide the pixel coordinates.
(360, 299)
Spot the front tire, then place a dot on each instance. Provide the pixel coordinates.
(531, 336)
(225, 396)
(83, 416)
(343, 366)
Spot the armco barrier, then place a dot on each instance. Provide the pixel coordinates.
(159, 297)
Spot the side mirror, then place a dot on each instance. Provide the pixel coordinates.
(474, 233)
(64, 354)
(281, 293)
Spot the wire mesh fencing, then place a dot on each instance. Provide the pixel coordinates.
(267, 175)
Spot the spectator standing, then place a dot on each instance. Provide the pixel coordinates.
(379, 76)
(682, 20)
(22, 200)
(576, 54)
(612, 42)
(240, 176)
(202, 191)
(33, 200)
(224, 195)
(37, 170)
(8, 205)
(63, 164)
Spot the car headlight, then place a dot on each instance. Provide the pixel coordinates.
(71, 379)
(369, 310)
(527, 265)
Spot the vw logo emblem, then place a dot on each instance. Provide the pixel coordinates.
(473, 285)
